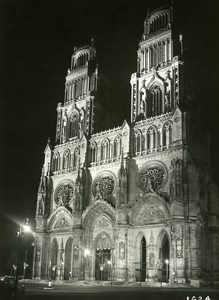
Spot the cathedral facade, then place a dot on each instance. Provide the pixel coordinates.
(137, 202)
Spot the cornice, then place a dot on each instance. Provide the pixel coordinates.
(152, 38)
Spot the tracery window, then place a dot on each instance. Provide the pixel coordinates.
(66, 160)
(93, 148)
(117, 146)
(105, 149)
(155, 102)
(56, 162)
(73, 125)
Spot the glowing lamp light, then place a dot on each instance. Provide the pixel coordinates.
(167, 261)
(26, 228)
(86, 252)
(109, 262)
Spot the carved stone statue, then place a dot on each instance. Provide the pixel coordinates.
(41, 207)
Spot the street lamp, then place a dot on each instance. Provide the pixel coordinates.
(24, 228)
(167, 268)
(87, 253)
(110, 269)
(53, 273)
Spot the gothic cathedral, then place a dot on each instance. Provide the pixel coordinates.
(137, 202)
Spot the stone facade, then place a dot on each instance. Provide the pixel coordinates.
(133, 203)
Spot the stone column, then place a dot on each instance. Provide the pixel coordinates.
(151, 140)
(170, 49)
(160, 130)
(167, 136)
(148, 59)
(165, 51)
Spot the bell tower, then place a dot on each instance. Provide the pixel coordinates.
(76, 113)
(155, 87)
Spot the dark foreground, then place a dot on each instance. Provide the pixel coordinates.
(38, 292)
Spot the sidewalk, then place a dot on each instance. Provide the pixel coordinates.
(155, 285)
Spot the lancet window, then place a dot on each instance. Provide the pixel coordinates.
(167, 135)
(56, 162)
(151, 138)
(117, 146)
(66, 160)
(81, 60)
(73, 125)
(155, 102)
(159, 22)
(105, 149)
(76, 157)
(93, 149)
(137, 136)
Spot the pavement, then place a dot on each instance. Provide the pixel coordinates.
(82, 290)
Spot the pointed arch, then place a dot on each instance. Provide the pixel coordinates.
(152, 208)
(105, 149)
(73, 124)
(66, 159)
(117, 146)
(56, 162)
(137, 142)
(54, 256)
(76, 157)
(155, 101)
(167, 134)
(140, 255)
(60, 213)
(152, 138)
(68, 258)
(103, 241)
(93, 152)
(163, 246)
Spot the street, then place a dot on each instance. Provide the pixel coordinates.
(38, 292)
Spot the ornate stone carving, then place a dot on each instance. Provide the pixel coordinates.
(41, 207)
(62, 223)
(64, 195)
(92, 213)
(104, 242)
(179, 248)
(176, 178)
(151, 214)
(151, 178)
(121, 250)
(103, 223)
(151, 260)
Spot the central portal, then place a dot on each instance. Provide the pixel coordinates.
(103, 264)
(103, 258)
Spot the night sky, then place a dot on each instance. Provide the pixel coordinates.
(36, 42)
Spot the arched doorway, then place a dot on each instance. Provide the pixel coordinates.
(68, 255)
(103, 259)
(54, 257)
(164, 257)
(143, 260)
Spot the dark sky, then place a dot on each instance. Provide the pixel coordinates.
(36, 42)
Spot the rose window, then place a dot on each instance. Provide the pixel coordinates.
(103, 186)
(64, 194)
(151, 178)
